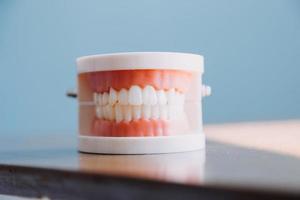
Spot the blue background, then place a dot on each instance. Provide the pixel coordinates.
(251, 49)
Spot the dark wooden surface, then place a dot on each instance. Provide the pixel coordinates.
(48, 164)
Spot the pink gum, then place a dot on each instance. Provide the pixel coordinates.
(135, 128)
(159, 79)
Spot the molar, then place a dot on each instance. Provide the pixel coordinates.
(95, 97)
(161, 97)
(172, 112)
(163, 109)
(171, 96)
(99, 112)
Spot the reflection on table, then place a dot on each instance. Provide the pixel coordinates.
(185, 168)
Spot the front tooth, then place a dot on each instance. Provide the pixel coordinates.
(149, 95)
(155, 112)
(113, 96)
(136, 112)
(135, 95)
(105, 98)
(123, 97)
(146, 111)
(161, 97)
(171, 96)
(163, 109)
(127, 113)
(99, 112)
(118, 113)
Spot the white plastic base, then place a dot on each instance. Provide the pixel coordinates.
(141, 145)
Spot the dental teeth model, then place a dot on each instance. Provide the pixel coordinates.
(154, 97)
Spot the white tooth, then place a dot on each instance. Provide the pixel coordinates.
(163, 109)
(155, 112)
(104, 98)
(176, 98)
(113, 96)
(171, 96)
(127, 113)
(181, 99)
(123, 97)
(146, 111)
(135, 95)
(161, 97)
(97, 98)
(107, 112)
(100, 102)
(169, 111)
(110, 112)
(118, 113)
(149, 95)
(172, 112)
(181, 102)
(104, 112)
(99, 112)
(136, 112)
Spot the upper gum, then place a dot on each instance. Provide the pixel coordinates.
(159, 79)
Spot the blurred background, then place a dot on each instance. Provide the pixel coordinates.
(251, 49)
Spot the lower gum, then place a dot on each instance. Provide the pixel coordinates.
(138, 128)
(135, 128)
